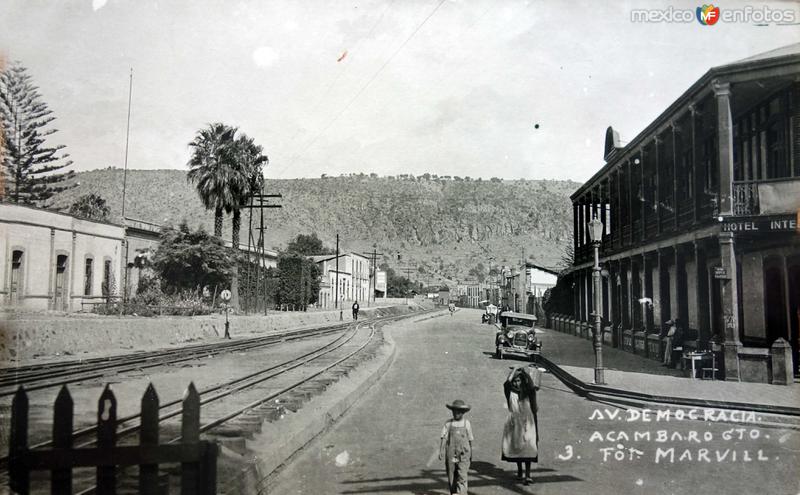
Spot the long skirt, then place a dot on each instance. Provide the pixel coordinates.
(519, 435)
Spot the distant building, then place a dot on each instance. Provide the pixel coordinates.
(444, 296)
(471, 293)
(353, 278)
(539, 279)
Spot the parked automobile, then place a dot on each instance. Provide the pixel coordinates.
(516, 335)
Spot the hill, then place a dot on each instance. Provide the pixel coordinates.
(443, 228)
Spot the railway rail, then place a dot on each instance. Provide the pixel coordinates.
(220, 392)
(37, 377)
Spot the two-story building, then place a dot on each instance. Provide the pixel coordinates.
(351, 271)
(700, 221)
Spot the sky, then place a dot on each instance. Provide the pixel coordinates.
(450, 87)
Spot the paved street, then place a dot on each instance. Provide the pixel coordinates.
(387, 442)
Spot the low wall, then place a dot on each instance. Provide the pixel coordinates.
(25, 338)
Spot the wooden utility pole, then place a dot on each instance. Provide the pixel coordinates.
(373, 281)
(258, 201)
(336, 297)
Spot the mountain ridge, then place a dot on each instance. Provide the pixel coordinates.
(446, 227)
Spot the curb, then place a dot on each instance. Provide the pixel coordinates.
(257, 476)
(763, 414)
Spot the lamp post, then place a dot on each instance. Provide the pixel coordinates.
(596, 236)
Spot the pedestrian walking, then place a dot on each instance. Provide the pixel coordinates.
(355, 310)
(456, 447)
(452, 308)
(521, 431)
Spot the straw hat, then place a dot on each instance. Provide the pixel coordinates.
(458, 405)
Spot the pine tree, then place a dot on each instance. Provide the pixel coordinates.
(30, 165)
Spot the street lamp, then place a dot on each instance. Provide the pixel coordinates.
(596, 236)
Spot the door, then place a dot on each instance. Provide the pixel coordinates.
(793, 274)
(774, 300)
(60, 303)
(16, 278)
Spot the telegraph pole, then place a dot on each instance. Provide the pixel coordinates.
(258, 201)
(336, 298)
(374, 256)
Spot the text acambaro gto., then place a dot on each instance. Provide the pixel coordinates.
(667, 445)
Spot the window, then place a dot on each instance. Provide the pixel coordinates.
(106, 287)
(761, 144)
(88, 276)
(16, 273)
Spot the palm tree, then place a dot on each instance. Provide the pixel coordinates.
(213, 169)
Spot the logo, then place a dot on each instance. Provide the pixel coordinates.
(707, 15)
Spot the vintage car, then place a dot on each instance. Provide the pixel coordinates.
(516, 334)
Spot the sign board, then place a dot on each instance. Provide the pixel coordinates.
(720, 272)
(225, 295)
(380, 281)
(760, 224)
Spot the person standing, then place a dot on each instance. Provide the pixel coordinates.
(355, 310)
(521, 431)
(456, 447)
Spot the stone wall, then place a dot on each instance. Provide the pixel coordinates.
(33, 337)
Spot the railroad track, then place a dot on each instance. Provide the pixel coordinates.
(37, 377)
(322, 356)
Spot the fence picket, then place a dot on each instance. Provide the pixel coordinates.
(190, 433)
(61, 479)
(19, 477)
(107, 438)
(198, 476)
(148, 435)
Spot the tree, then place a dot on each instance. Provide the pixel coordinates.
(91, 206)
(211, 169)
(298, 280)
(31, 166)
(307, 245)
(226, 170)
(191, 260)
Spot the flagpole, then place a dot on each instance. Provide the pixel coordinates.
(127, 137)
(124, 186)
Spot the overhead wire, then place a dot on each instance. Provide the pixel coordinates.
(365, 86)
(323, 96)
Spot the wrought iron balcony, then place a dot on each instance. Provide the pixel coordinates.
(745, 198)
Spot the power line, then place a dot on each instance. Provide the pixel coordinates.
(323, 96)
(365, 86)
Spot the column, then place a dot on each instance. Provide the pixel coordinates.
(642, 205)
(72, 274)
(657, 185)
(722, 93)
(658, 317)
(675, 132)
(695, 182)
(730, 306)
(51, 271)
(575, 232)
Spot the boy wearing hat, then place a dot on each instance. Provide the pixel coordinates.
(456, 447)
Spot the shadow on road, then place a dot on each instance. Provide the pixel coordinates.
(481, 474)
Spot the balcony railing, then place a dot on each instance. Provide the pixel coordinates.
(745, 198)
(685, 212)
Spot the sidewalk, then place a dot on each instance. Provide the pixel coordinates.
(627, 371)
